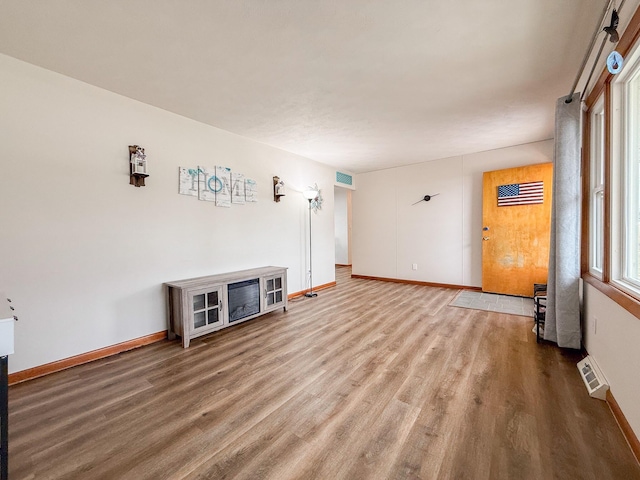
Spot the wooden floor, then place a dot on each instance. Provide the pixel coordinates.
(370, 380)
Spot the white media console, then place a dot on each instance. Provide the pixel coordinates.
(197, 306)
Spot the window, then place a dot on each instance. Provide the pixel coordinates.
(625, 169)
(596, 189)
(631, 179)
(611, 195)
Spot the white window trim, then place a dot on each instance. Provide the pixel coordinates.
(596, 186)
(619, 186)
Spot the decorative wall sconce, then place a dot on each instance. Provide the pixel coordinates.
(137, 166)
(278, 189)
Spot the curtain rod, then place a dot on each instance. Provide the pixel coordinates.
(588, 53)
(595, 61)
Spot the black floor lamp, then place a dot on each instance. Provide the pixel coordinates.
(310, 195)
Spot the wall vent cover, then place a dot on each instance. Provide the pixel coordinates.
(593, 379)
(344, 178)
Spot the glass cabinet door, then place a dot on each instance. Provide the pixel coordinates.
(206, 308)
(274, 290)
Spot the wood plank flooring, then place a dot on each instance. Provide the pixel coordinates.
(370, 380)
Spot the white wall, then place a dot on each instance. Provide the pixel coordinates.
(84, 254)
(614, 340)
(443, 236)
(341, 225)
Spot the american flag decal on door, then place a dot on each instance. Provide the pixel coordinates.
(520, 194)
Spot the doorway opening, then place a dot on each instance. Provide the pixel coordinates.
(342, 219)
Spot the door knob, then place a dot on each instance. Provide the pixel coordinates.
(485, 238)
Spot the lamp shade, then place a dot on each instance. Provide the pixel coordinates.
(310, 194)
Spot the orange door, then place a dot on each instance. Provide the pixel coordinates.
(516, 228)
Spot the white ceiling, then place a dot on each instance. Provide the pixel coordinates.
(357, 84)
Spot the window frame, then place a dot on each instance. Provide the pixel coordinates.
(623, 172)
(609, 282)
(596, 189)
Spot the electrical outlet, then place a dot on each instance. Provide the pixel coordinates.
(414, 266)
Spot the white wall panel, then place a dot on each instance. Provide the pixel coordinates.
(84, 254)
(443, 236)
(428, 234)
(612, 337)
(374, 225)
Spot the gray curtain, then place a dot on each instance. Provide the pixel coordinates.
(562, 322)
